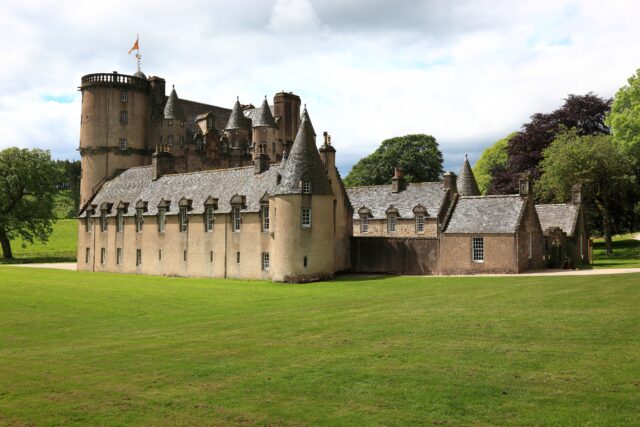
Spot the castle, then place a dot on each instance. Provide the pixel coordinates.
(176, 187)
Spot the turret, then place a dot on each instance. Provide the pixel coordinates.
(172, 130)
(236, 134)
(466, 183)
(263, 131)
(114, 121)
(304, 238)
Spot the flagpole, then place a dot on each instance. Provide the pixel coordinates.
(138, 56)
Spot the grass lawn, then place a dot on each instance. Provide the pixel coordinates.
(626, 252)
(95, 348)
(62, 245)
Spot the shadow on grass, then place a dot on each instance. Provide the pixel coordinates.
(37, 259)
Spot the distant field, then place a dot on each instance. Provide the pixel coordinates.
(62, 245)
(626, 252)
(104, 349)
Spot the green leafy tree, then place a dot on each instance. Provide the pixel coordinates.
(624, 119)
(592, 161)
(418, 155)
(491, 159)
(27, 185)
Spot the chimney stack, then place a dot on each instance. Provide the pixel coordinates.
(397, 182)
(327, 152)
(449, 180)
(260, 163)
(525, 188)
(576, 194)
(161, 164)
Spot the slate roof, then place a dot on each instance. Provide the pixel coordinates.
(173, 107)
(378, 198)
(137, 184)
(466, 182)
(562, 215)
(237, 120)
(303, 162)
(486, 214)
(192, 109)
(262, 116)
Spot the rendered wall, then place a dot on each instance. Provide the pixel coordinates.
(405, 227)
(500, 254)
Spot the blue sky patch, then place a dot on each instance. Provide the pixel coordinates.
(66, 98)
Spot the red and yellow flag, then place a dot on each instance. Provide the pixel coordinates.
(135, 47)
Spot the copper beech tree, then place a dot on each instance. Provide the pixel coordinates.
(27, 186)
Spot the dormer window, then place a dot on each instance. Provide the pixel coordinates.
(419, 223)
(184, 220)
(306, 186)
(237, 220)
(209, 123)
(264, 210)
(88, 221)
(198, 144)
(103, 220)
(209, 219)
(365, 214)
(163, 207)
(120, 221)
(139, 220)
(391, 223)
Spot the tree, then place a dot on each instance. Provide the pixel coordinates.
(624, 118)
(592, 161)
(27, 185)
(491, 158)
(585, 113)
(418, 155)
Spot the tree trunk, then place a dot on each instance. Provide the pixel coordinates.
(6, 246)
(606, 226)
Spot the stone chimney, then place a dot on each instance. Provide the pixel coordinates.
(260, 163)
(576, 194)
(161, 164)
(449, 179)
(524, 187)
(397, 182)
(327, 153)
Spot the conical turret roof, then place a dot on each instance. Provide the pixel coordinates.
(173, 108)
(237, 120)
(304, 163)
(265, 118)
(466, 182)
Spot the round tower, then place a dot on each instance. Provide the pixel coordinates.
(113, 127)
(304, 225)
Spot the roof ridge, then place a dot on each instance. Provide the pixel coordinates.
(491, 196)
(384, 185)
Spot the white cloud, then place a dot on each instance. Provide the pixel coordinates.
(467, 72)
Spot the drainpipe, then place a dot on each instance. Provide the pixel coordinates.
(225, 247)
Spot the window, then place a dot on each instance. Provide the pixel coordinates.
(87, 255)
(139, 220)
(124, 117)
(124, 95)
(306, 217)
(138, 256)
(210, 256)
(118, 256)
(159, 254)
(103, 255)
(184, 255)
(170, 140)
(209, 123)
(123, 144)
(364, 224)
(530, 244)
(391, 224)
(265, 261)
(477, 244)
(265, 218)
(236, 221)
(305, 262)
(184, 221)
(419, 223)
(182, 141)
(237, 257)
(88, 222)
(209, 219)
(198, 144)
(103, 221)
(161, 219)
(119, 221)
(306, 187)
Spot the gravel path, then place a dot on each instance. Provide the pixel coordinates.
(56, 265)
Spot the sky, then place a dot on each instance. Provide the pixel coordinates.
(466, 72)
